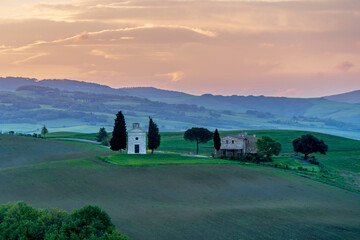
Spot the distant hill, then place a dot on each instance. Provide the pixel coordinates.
(308, 107)
(153, 93)
(12, 83)
(84, 106)
(349, 97)
(78, 86)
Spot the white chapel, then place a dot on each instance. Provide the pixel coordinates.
(136, 140)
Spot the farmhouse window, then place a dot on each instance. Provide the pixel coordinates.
(232, 141)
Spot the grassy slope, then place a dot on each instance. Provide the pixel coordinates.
(187, 201)
(16, 150)
(87, 136)
(191, 201)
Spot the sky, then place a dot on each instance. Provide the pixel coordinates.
(293, 48)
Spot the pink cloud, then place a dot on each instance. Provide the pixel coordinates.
(291, 92)
(82, 36)
(266, 45)
(344, 66)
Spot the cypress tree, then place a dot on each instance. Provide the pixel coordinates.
(44, 131)
(118, 140)
(153, 136)
(217, 142)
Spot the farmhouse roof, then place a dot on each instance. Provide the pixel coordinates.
(240, 136)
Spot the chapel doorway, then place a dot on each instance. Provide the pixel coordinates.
(137, 148)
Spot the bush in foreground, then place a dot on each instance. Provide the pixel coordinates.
(21, 221)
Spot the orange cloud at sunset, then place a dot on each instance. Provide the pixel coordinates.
(292, 48)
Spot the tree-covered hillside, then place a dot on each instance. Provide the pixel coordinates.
(67, 105)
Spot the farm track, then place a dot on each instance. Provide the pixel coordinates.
(77, 140)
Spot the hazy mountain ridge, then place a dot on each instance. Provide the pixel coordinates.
(349, 97)
(31, 101)
(12, 83)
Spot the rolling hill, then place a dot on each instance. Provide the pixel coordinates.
(186, 201)
(19, 150)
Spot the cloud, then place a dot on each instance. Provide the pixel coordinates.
(127, 38)
(82, 36)
(104, 35)
(104, 54)
(200, 31)
(287, 92)
(175, 76)
(344, 66)
(266, 45)
(26, 60)
(358, 44)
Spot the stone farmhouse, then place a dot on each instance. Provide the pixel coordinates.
(136, 140)
(237, 145)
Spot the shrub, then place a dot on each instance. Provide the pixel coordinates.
(313, 160)
(106, 142)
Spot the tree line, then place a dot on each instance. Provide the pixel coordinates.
(21, 221)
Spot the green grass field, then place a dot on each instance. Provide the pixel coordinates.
(159, 159)
(167, 196)
(87, 136)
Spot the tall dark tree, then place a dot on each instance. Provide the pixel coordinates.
(200, 135)
(44, 131)
(153, 136)
(308, 144)
(118, 140)
(102, 135)
(217, 141)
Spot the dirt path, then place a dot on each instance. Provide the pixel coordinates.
(302, 160)
(78, 140)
